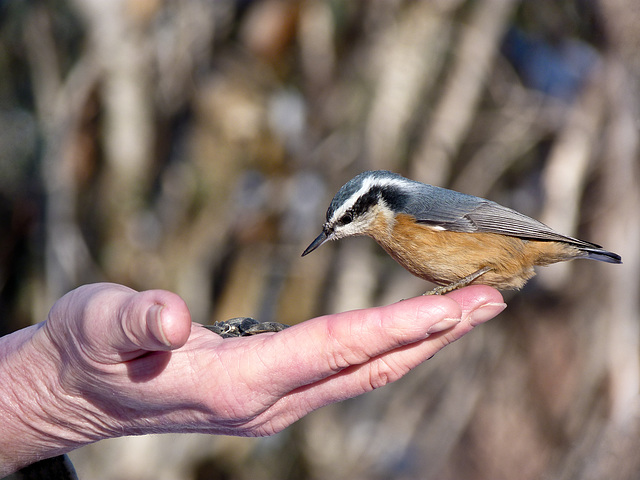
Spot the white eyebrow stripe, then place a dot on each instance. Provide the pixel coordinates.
(367, 184)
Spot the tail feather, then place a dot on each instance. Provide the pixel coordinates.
(601, 255)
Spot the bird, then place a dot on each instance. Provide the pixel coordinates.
(446, 237)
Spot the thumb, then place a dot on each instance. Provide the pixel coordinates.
(153, 320)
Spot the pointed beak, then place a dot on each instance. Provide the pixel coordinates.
(323, 237)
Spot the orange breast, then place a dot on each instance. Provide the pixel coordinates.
(443, 257)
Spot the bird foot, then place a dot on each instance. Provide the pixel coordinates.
(463, 282)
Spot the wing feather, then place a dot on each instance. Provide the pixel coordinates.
(458, 212)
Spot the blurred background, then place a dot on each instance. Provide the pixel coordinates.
(194, 146)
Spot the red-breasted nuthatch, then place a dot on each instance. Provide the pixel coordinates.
(446, 237)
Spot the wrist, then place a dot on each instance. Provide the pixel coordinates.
(39, 420)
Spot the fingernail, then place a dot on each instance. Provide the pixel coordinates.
(154, 321)
(486, 312)
(443, 325)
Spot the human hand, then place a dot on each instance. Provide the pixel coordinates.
(111, 362)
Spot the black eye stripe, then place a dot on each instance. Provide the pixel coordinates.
(365, 202)
(392, 196)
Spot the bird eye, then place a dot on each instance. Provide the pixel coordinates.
(345, 219)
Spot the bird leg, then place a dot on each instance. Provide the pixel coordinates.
(463, 282)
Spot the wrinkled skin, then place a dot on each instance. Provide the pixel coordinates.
(109, 362)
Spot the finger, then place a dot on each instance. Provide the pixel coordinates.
(153, 320)
(383, 369)
(340, 341)
(323, 346)
(478, 302)
(109, 323)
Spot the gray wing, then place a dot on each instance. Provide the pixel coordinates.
(458, 212)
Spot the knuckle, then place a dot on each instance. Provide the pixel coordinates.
(339, 354)
(382, 373)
